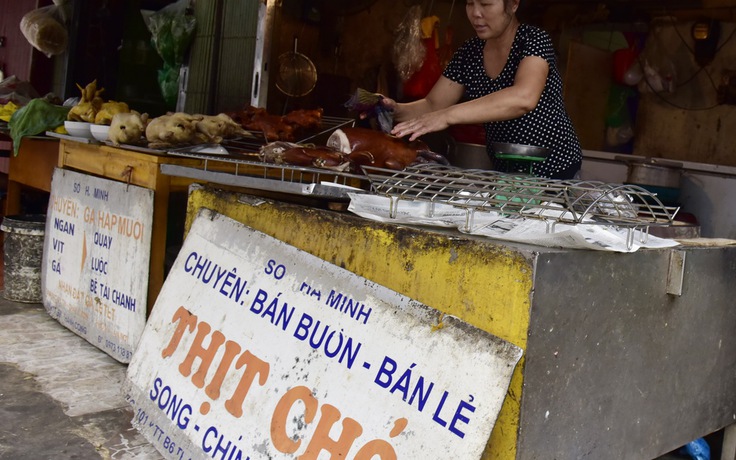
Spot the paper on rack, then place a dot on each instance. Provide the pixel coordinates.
(497, 226)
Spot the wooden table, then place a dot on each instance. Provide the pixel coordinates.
(32, 167)
(137, 168)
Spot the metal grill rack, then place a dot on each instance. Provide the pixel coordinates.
(245, 145)
(281, 178)
(237, 162)
(521, 196)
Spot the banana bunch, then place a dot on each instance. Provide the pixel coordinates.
(7, 110)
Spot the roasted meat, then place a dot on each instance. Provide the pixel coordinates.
(275, 127)
(281, 152)
(304, 119)
(383, 150)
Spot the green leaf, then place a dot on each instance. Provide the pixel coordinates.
(36, 117)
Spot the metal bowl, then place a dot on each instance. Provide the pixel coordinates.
(505, 150)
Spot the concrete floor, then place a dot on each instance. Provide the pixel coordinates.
(60, 396)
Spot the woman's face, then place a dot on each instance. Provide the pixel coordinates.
(490, 18)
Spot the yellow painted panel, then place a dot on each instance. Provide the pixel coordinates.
(485, 284)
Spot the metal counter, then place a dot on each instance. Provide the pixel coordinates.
(614, 366)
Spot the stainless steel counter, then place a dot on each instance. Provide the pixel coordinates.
(625, 355)
(706, 191)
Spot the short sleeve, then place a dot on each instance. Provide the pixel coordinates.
(538, 43)
(458, 69)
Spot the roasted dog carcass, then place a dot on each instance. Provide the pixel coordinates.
(276, 127)
(348, 149)
(381, 150)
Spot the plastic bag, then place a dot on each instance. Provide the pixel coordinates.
(44, 29)
(172, 30)
(16, 90)
(658, 68)
(421, 82)
(698, 449)
(408, 50)
(368, 103)
(619, 116)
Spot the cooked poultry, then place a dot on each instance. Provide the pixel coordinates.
(128, 128)
(215, 128)
(172, 129)
(89, 103)
(108, 109)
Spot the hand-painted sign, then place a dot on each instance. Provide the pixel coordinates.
(95, 260)
(257, 350)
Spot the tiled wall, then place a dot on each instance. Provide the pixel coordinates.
(221, 59)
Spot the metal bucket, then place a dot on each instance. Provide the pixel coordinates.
(470, 156)
(659, 175)
(23, 246)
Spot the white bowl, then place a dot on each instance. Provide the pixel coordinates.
(100, 132)
(78, 129)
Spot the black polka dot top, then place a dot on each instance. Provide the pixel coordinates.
(548, 125)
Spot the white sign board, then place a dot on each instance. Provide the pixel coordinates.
(95, 259)
(257, 350)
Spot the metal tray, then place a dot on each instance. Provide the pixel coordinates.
(236, 162)
(294, 180)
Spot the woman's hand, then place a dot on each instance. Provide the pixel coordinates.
(424, 124)
(388, 103)
(385, 103)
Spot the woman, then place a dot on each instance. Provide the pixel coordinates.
(509, 79)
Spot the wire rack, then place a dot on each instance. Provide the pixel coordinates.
(237, 162)
(252, 144)
(281, 178)
(514, 195)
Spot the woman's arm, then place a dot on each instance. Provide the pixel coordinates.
(438, 111)
(443, 94)
(512, 102)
